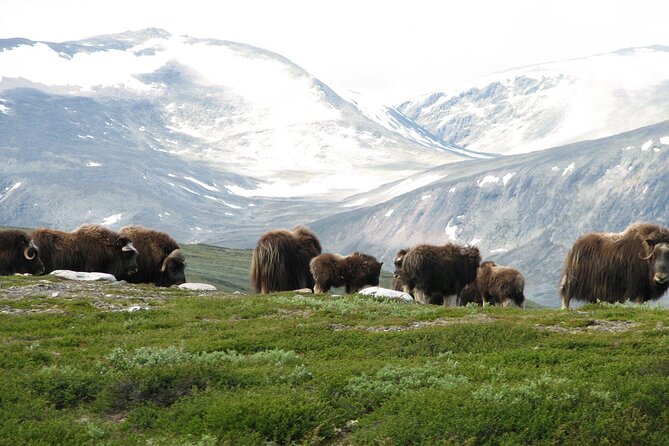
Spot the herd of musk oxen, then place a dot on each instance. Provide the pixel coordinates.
(601, 267)
(134, 253)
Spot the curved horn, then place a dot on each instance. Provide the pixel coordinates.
(128, 247)
(26, 252)
(174, 255)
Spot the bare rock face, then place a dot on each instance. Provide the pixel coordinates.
(197, 286)
(386, 293)
(83, 277)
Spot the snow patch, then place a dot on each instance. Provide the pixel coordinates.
(8, 190)
(555, 169)
(647, 145)
(389, 213)
(507, 177)
(203, 185)
(4, 109)
(451, 231)
(475, 241)
(568, 169)
(425, 197)
(359, 202)
(452, 190)
(112, 219)
(93, 164)
(498, 250)
(86, 136)
(664, 140)
(488, 179)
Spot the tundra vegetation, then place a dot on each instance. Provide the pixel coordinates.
(206, 368)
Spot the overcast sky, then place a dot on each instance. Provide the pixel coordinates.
(387, 50)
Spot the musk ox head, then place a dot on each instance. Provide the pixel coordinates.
(370, 269)
(397, 261)
(173, 269)
(128, 256)
(19, 254)
(659, 262)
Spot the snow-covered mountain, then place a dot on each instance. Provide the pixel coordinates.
(234, 107)
(521, 210)
(548, 105)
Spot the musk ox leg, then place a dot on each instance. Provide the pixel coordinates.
(421, 297)
(563, 293)
(451, 300)
(565, 302)
(320, 289)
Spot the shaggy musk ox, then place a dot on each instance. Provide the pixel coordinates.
(436, 274)
(495, 285)
(18, 254)
(89, 248)
(631, 265)
(160, 261)
(396, 283)
(354, 271)
(280, 261)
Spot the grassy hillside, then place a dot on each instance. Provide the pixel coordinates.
(80, 366)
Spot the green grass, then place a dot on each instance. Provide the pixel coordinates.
(288, 369)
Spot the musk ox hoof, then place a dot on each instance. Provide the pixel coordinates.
(81, 276)
(197, 286)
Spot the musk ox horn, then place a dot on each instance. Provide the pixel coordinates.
(128, 247)
(174, 255)
(26, 252)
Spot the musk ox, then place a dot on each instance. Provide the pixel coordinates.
(89, 248)
(160, 261)
(396, 283)
(280, 260)
(19, 254)
(436, 274)
(495, 285)
(354, 271)
(615, 267)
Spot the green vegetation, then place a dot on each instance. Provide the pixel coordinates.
(218, 369)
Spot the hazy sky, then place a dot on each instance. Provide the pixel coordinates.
(388, 50)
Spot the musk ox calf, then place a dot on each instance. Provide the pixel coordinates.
(18, 254)
(495, 285)
(280, 260)
(616, 267)
(160, 261)
(354, 271)
(89, 248)
(396, 283)
(436, 274)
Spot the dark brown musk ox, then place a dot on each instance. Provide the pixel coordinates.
(495, 285)
(436, 274)
(615, 267)
(89, 248)
(280, 260)
(396, 283)
(354, 271)
(160, 260)
(19, 254)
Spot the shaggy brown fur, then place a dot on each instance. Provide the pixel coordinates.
(280, 261)
(495, 285)
(436, 274)
(90, 248)
(354, 271)
(160, 261)
(631, 265)
(18, 254)
(396, 283)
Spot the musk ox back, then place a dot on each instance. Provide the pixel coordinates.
(615, 267)
(19, 254)
(354, 271)
(396, 283)
(160, 261)
(89, 248)
(495, 285)
(436, 274)
(280, 260)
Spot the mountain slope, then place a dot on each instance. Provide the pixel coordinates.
(547, 105)
(524, 210)
(237, 108)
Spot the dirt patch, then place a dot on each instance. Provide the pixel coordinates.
(593, 326)
(470, 319)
